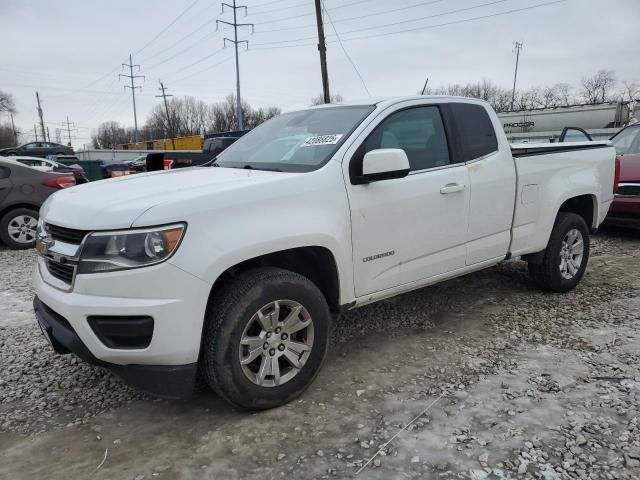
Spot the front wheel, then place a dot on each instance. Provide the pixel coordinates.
(265, 338)
(565, 259)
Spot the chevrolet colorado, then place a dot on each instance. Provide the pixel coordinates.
(235, 272)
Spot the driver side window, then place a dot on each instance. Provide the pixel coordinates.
(419, 131)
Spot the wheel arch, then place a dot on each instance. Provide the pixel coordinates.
(585, 205)
(316, 263)
(16, 206)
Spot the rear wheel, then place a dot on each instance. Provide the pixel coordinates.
(18, 228)
(266, 336)
(565, 259)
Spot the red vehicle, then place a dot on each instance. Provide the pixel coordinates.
(625, 209)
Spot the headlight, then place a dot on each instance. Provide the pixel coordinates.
(109, 251)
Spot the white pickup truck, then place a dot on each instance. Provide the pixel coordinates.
(234, 272)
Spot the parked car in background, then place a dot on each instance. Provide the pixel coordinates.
(625, 209)
(38, 149)
(217, 144)
(49, 165)
(23, 190)
(236, 272)
(137, 165)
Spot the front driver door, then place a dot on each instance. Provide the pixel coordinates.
(409, 229)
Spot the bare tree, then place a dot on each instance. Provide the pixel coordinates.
(599, 87)
(563, 90)
(319, 99)
(110, 134)
(630, 91)
(7, 104)
(7, 138)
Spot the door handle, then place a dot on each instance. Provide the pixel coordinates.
(452, 188)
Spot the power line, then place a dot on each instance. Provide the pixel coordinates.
(235, 42)
(347, 54)
(167, 27)
(413, 29)
(339, 20)
(450, 12)
(455, 22)
(133, 87)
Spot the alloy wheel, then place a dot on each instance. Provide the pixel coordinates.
(571, 253)
(22, 229)
(276, 343)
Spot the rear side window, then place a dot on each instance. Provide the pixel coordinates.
(476, 132)
(4, 172)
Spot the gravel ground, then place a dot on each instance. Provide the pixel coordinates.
(525, 385)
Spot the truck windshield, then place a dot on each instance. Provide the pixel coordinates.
(295, 142)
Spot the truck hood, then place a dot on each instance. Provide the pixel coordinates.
(116, 203)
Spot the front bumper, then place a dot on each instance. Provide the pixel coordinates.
(172, 381)
(173, 298)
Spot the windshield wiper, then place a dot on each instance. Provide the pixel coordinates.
(251, 167)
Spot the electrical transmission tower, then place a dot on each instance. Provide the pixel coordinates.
(517, 47)
(133, 87)
(235, 42)
(164, 96)
(68, 125)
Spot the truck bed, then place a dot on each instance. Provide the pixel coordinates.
(550, 173)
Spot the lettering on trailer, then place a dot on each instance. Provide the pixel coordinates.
(519, 125)
(379, 255)
(321, 140)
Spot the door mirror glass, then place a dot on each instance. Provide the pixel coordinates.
(384, 164)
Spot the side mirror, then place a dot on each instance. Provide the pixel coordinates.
(384, 164)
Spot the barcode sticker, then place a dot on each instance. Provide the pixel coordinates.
(322, 140)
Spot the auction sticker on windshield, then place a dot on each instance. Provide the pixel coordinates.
(322, 140)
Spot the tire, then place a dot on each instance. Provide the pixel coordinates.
(18, 228)
(233, 315)
(562, 267)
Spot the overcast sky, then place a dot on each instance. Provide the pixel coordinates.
(71, 50)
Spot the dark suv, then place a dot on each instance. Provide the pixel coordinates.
(22, 191)
(38, 149)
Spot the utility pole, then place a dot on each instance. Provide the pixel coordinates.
(517, 48)
(48, 136)
(166, 109)
(13, 127)
(235, 42)
(133, 87)
(322, 48)
(44, 136)
(35, 132)
(68, 124)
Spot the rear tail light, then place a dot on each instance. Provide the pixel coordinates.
(60, 182)
(616, 175)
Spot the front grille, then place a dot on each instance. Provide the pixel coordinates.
(61, 271)
(67, 235)
(632, 189)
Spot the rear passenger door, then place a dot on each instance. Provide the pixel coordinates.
(408, 229)
(5, 183)
(492, 180)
